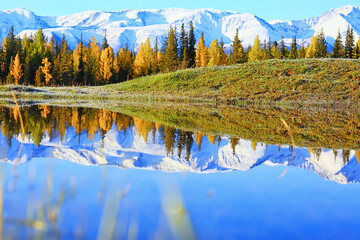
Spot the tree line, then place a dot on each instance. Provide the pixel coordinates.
(38, 61)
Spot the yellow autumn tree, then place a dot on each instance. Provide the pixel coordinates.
(275, 52)
(46, 70)
(106, 62)
(311, 50)
(255, 52)
(16, 70)
(214, 54)
(198, 138)
(140, 65)
(201, 58)
(253, 145)
(145, 61)
(211, 138)
(94, 60)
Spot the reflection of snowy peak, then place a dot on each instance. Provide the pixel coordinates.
(129, 150)
(131, 27)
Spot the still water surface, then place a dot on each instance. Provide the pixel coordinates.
(91, 173)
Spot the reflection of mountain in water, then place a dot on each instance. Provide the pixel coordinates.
(130, 149)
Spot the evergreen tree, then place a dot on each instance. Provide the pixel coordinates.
(269, 52)
(79, 69)
(37, 53)
(191, 48)
(321, 45)
(183, 45)
(26, 42)
(2, 66)
(338, 49)
(237, 55)
(349, 43)
(105, 44)
(170, 49)
(293, 49)
(283, 50)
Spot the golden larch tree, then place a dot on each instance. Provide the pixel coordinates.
(311, 50)
(140, 65)
(214, 54)
(201, 57)
(255, 52)
(16, 70)
(106, 61)
(46, 70)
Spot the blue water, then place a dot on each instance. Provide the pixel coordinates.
(256, 204)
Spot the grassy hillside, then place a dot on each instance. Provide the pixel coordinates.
(299, 81)
(275, 80)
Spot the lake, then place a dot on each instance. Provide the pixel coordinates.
(178, 172)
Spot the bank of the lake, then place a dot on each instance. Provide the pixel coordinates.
(303, 81)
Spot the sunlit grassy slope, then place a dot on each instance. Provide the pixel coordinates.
(299, 80)
(304, 82)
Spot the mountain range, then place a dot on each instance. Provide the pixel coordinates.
(127, 149)
(131, 27)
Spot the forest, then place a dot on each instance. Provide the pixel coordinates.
(38, 61)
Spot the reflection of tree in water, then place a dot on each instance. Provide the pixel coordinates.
(335, 152)
(41, 121)
(316, 153)
(346, 156)
(168, 137)
(234, 141)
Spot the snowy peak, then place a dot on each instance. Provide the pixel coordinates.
(131, 27)
(21, 19)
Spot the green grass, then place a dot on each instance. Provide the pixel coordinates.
(272, 80)
(304, 81)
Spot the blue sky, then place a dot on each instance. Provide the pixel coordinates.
(269, 10)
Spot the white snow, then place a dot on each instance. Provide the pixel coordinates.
(129, 150)
(131, 27)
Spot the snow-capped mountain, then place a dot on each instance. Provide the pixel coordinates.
(131, 27)
(129, 150)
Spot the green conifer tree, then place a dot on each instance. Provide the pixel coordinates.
(283, 50)
(293, 50)
(321, 45)
(349, 43)
(105, 43)
(191, 47)
(338, 49)
(170, 49)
